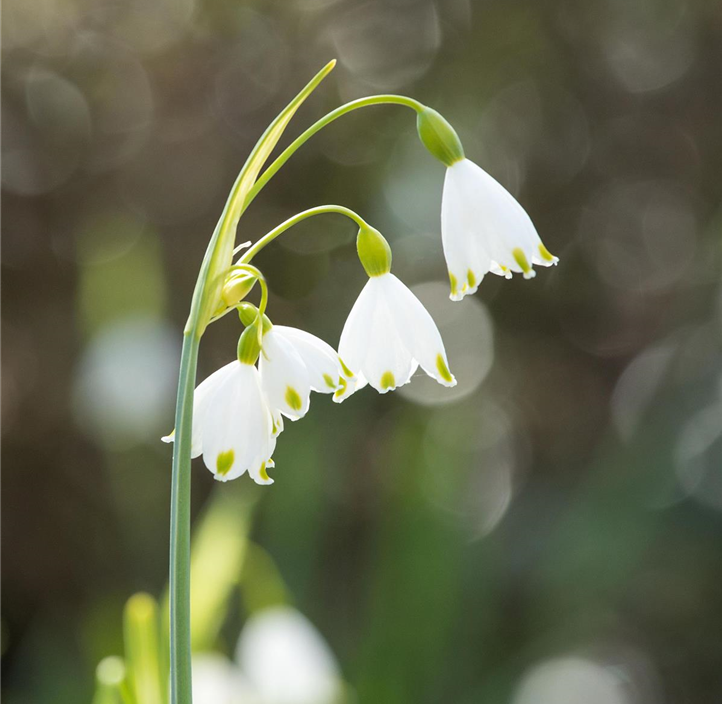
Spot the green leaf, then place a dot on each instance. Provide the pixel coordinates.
(142, 650)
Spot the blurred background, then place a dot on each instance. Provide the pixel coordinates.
(550, 530)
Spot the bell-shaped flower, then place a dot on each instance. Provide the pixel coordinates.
(293, 363)
(234, 427)
(484, 229)
(388, 333)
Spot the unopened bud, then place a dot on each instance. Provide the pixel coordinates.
(236, 288)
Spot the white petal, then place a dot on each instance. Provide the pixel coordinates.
(284, 376)
(421, 336)
(259, 472)
(388, 363)
(217, 680)
(501, 223)
(466, 259)
(357, 331)
(477, 211)
(285, 659)
(349, 386)
(387, 335)
(201, 396)
(322, 361)
(237, 426)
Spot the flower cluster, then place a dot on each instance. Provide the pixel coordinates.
(239, 411)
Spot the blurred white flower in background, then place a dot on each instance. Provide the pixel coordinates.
(571, 680)
(125, 381)
(217, 680)
(280, 659)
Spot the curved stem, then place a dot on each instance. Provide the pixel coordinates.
(320, 210)
(289, 151)
(180, 527)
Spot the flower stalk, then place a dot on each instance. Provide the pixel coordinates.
(388, 335)
(206, 300)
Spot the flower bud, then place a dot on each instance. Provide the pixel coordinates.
(249, 344)
(373, 251)
(439, 137)
(236, 288)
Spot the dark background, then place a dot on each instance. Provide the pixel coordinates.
(561, 505)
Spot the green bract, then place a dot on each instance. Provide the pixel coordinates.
(439, 137)
(217, 260)
(373, 251)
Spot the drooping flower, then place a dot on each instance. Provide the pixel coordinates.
(483, 227)
(234, 427)
(293, 363)
(389, 333)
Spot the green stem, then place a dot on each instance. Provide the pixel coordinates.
(204, 299)
(180, 527)
(320, 210)
(289, 151)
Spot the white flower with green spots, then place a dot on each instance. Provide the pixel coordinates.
(234, 427)
(484, 229)
(387, 336)
(293, 363)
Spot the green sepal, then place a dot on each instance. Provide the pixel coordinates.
(439, 137)
(373, 251)
(249, 344)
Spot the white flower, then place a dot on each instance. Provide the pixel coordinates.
(280, 659)
(483, 228)
(387, 335)
(233, 425)
(216, 680)
(285, 659)
(294, 362)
